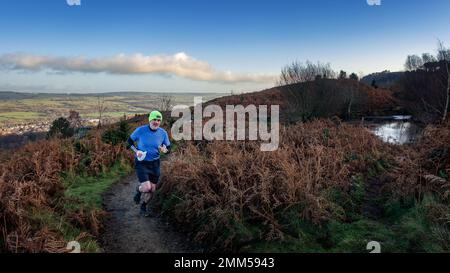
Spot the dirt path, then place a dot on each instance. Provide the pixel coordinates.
(127, 231)
(372, 204)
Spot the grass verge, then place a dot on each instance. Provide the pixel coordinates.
(84, 194)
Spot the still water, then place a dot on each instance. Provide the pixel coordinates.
(396, 130)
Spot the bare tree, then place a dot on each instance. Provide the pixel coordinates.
(165, 103)
(428, 58)
(361, 75)
(444, 56)
(101, 109)
(352, 96)
(413, 62)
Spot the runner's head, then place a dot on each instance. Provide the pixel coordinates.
(155, 119)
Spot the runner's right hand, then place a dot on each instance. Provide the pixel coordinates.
(139, 153)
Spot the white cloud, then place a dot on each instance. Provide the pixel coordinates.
(179, 64)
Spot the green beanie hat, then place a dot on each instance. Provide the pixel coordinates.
(155, 115)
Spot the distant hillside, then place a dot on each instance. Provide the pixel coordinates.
(7, 95)
(10, 95)
(321, 98)
(383, 79)
(30, 108)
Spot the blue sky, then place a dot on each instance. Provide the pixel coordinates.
(204, 46)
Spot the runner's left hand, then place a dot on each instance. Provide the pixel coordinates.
(163, 148)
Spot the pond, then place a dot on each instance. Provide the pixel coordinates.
(394, 129)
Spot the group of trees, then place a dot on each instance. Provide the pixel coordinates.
(426, 84)
(428, 61)
(65, 127)
(343, 76)
(118, 133)
(298, 72)
(319, 99)
(61, 128)
(304, 72)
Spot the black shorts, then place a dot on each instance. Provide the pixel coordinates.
(148, 171)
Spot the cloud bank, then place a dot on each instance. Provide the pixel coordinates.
(179, 64)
